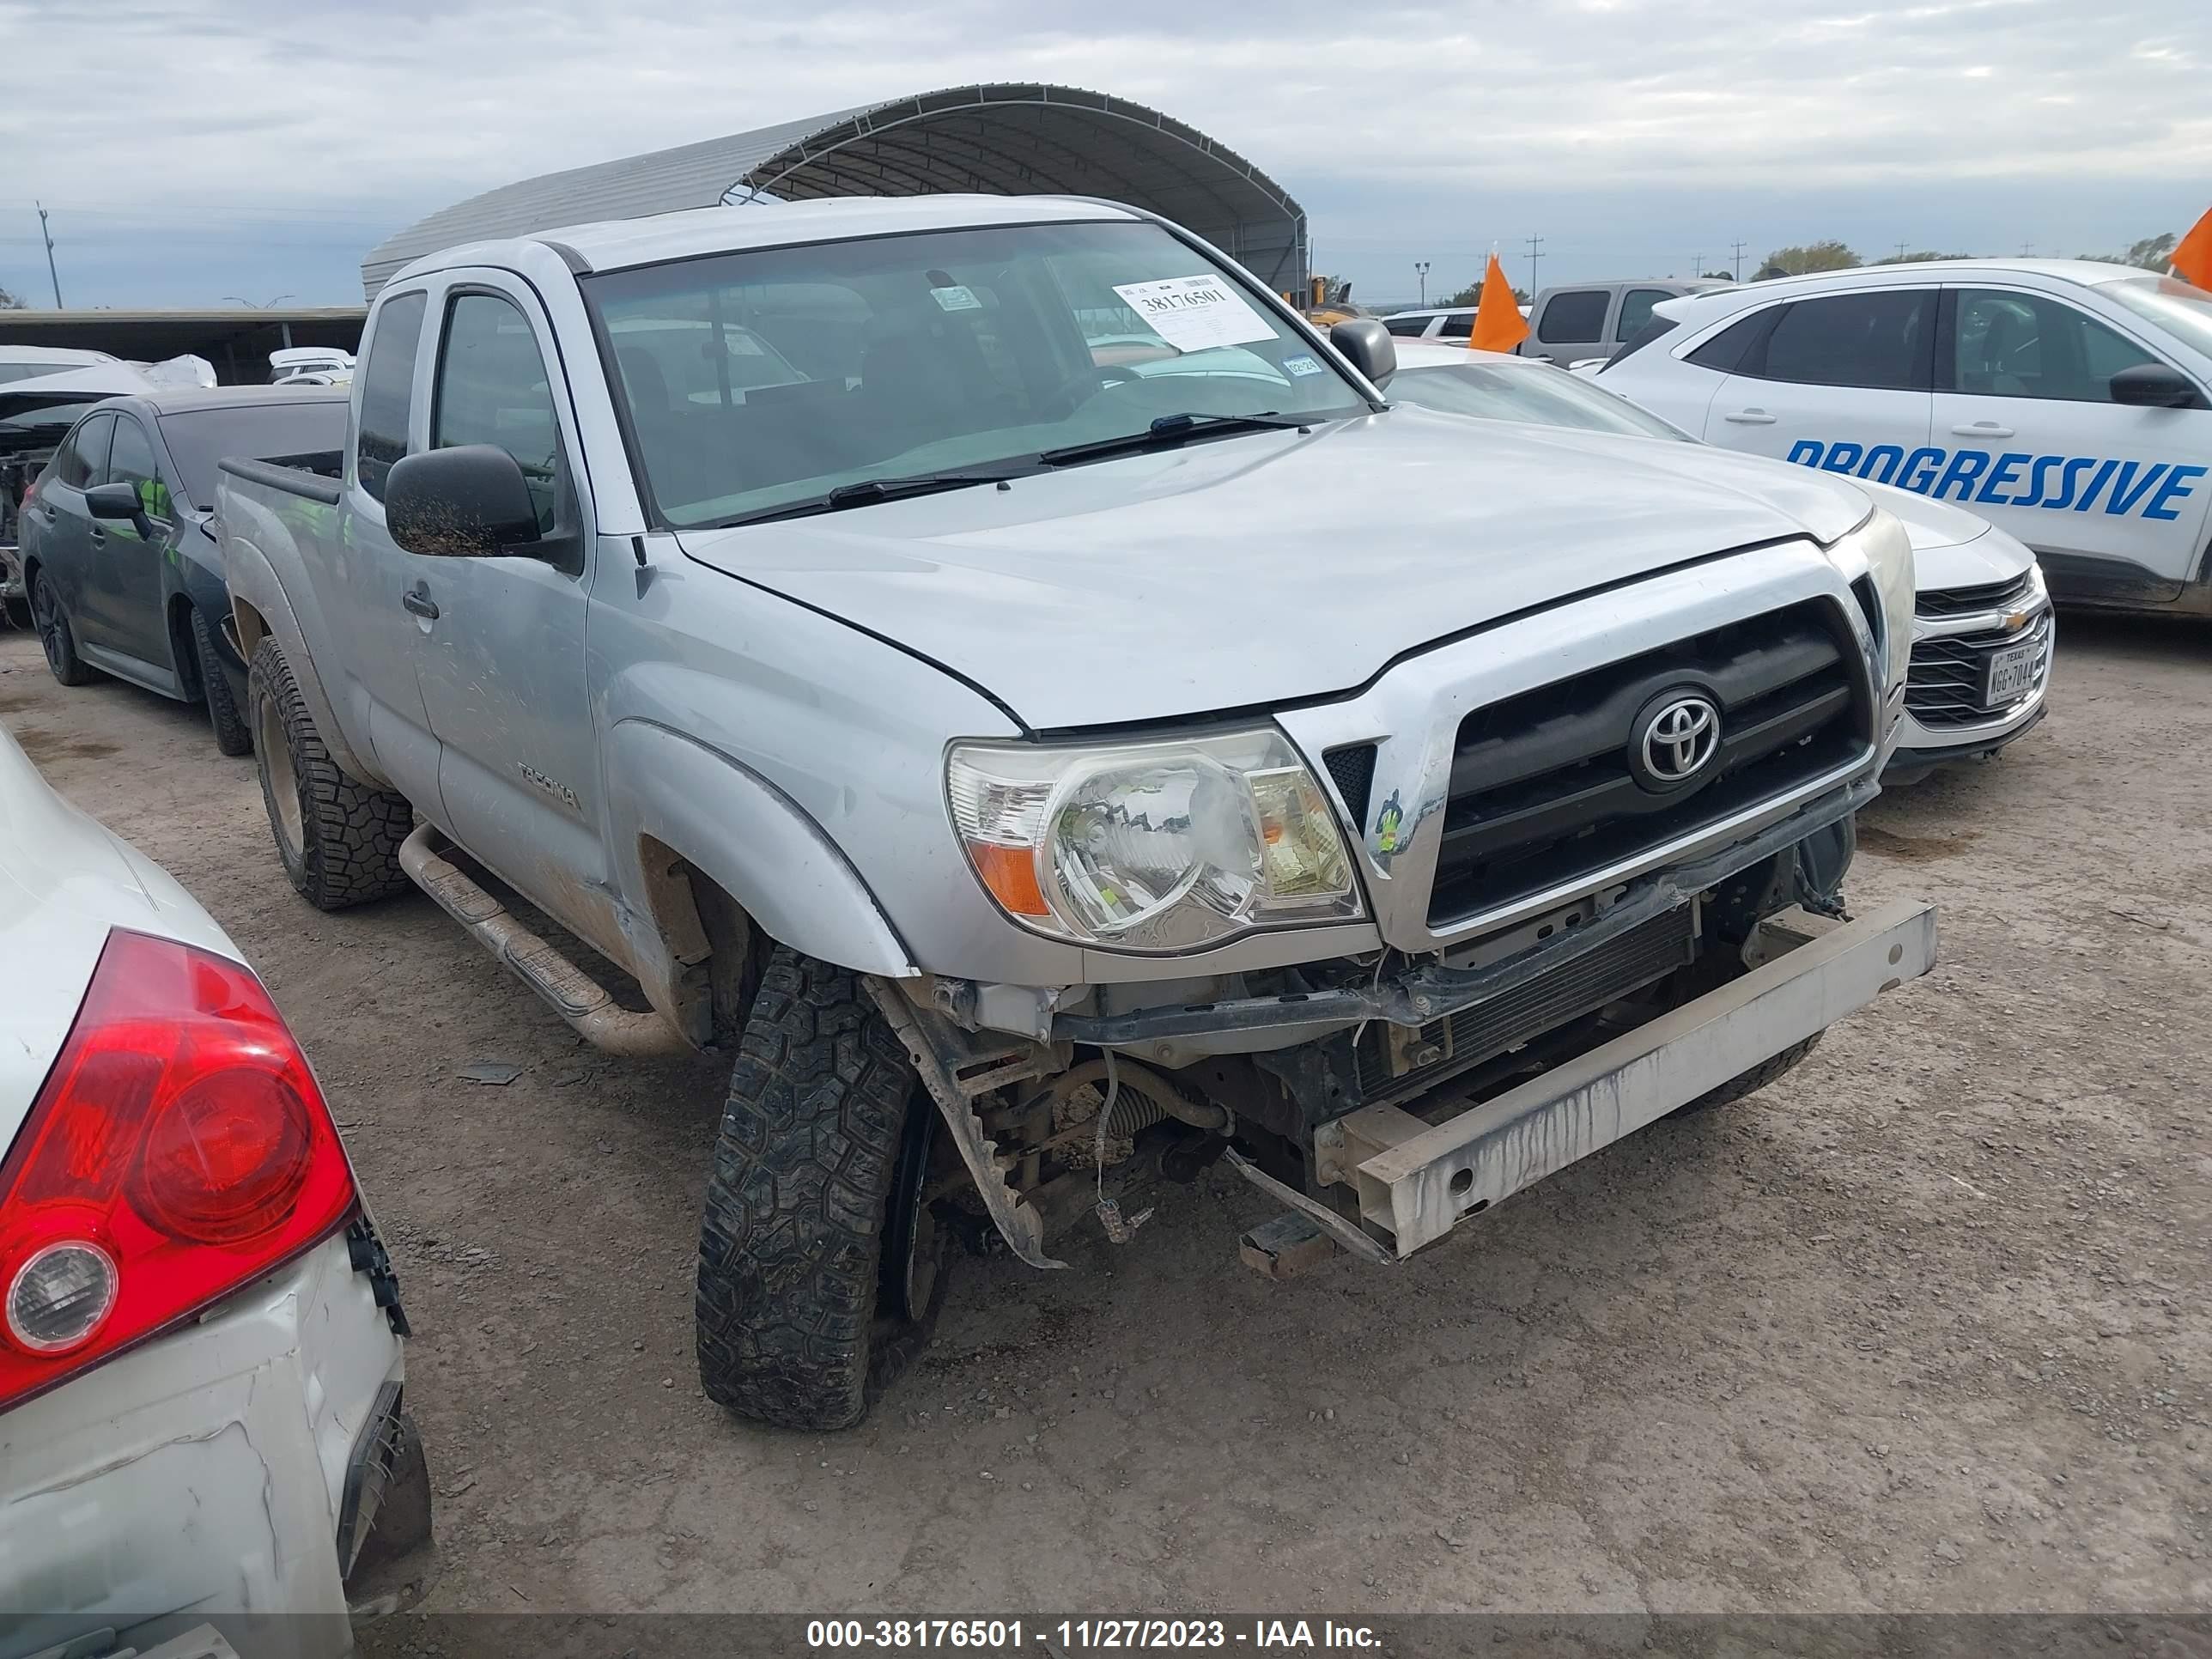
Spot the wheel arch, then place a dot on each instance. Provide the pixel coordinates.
(722, 866)
(261, 608)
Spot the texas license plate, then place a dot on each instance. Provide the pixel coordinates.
(2012, 674)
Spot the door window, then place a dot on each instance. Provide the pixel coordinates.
(2028, 345)
(1458, 325)
(1407, 328)
(82, 462)
(1636, 310)
(1572, 318)
(1873, 340)
(387, 390)
(131, 461)
(492, 388)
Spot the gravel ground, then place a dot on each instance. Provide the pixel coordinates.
(1921, 1327)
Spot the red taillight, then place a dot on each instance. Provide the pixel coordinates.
(179, 1149)
(29, 490)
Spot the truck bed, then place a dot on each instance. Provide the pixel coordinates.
(316, 475)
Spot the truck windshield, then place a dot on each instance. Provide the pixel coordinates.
(754, 380)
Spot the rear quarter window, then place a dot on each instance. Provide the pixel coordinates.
(387, 390)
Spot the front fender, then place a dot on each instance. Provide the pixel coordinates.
(747, 835)
(260, 602)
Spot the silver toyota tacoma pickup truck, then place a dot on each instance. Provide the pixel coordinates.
(993, 669)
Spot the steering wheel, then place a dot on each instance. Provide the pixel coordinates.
(1080, 388)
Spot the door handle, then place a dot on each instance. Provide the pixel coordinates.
(1982, 430)
(417, 598)
(1750, 417)
(98, 537)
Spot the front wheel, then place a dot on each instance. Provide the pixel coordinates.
(821, 1268)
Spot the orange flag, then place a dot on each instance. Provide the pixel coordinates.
(1498, 324)
(2192, 260)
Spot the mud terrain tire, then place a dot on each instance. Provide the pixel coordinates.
(820, 1275)
(338, 836)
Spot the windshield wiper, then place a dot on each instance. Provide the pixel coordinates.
(866, 492)
(1169, 430)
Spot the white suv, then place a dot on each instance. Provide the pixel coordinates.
(1982, 629)
(2067, 402)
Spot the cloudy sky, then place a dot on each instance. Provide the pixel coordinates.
(190, 150)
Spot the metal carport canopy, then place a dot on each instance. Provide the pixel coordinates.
(1007, 140)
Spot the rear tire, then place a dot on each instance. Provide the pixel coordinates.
(338, 836)
(1745, 1083)
(57, 637)
(232, 734)
(820, 1271)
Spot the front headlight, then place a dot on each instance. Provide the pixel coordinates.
(1151, 846)
(1880, 550)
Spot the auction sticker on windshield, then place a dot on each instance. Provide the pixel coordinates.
(1193, 312)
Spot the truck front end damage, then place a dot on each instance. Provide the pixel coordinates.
(1595, 885)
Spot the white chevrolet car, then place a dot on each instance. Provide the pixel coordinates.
(2069, 403)
(200, 1337)
(1981, 631)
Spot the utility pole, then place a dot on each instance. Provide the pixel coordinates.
(52, 275)
(1421, 270)
(1535, 253)
(2024, 249)
(1900, 253)
(1739, 261)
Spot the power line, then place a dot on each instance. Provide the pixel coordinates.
(1738, 259)
(1535, 253)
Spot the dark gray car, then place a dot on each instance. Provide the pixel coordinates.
(119, 558)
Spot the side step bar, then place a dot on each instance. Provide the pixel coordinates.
(567, 989)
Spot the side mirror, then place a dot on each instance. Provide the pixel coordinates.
(2155, 386)
(120, 502)
(1369, 346)
(471, 502)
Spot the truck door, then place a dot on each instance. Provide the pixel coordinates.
(1839, 382)
(1569, 324)
(2113, 496)
(502, 663)
(360, 579)
(1635, 312)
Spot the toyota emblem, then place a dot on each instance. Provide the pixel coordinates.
(1678, 738)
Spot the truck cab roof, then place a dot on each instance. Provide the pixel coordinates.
(621, 244)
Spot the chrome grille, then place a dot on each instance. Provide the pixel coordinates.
(1966, 601)
(1943, 686)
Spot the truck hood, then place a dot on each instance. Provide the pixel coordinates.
(1271, 567)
